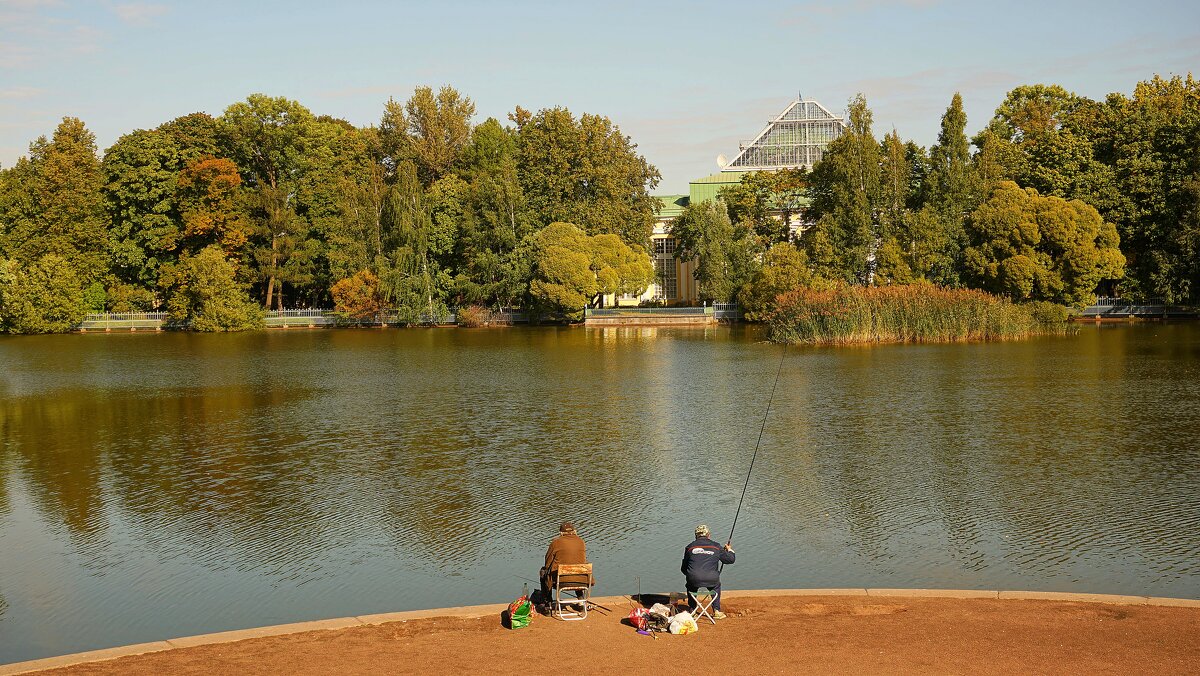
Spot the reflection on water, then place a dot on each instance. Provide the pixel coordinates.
(163, 485)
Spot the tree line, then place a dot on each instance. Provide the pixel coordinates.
(1057, 197)
(269, 204)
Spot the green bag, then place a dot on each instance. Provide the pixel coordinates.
(519, 613)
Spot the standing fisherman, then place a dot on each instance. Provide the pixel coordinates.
(702, 567)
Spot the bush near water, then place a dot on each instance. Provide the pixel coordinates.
(903, 314)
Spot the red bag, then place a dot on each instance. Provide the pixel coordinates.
(638, 619)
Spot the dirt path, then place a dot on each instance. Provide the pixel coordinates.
(762, 635)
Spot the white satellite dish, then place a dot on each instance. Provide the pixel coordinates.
(722, 161)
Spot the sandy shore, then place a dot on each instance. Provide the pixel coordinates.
(763, 634)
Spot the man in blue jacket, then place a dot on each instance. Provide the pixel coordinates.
(702, 567)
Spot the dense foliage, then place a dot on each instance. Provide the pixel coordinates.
(1057, 198)
(203, 291)
(1031, 247)
(280, 207)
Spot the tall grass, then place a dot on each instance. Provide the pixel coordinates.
(899, 314)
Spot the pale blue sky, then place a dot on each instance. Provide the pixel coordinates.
(686, 80)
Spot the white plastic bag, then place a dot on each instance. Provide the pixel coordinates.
(684, 623)
(660, 609)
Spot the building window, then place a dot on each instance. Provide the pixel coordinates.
(668, 283)
(665, 270)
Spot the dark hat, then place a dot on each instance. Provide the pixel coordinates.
(566, 527)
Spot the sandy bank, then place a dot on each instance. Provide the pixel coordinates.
(860, 631)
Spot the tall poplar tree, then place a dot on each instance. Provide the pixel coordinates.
(846, 197)
(498, 221)
(412, 281)
(952, 186)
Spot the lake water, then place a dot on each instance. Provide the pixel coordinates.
(154, 486)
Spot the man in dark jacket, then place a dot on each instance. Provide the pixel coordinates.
(567, 548)
(702, 567)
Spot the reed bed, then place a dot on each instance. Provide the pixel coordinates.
(902, 314)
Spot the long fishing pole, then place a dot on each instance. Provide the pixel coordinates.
(757, 444)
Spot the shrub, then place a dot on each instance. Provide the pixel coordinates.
(471, 316)
(203, 290)
(1045, 312)
(357, 298)
(43, 297)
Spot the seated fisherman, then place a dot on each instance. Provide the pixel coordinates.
(567, 548)
(702, 567)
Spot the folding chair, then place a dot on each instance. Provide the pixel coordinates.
(704, 599)
(583, 590)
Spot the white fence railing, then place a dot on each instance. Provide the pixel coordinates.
(1110, 306)
(134, 321)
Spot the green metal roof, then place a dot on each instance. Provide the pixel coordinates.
(722, 177)
(706, 188)
(670, 206)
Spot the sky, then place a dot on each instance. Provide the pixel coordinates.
(685, 80)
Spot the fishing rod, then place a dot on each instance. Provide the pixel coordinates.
(757, 444)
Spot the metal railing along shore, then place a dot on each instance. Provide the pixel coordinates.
(1112, 306)
(317, 317)
(648, 312)
(158, 321)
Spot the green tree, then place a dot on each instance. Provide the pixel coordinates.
(497, 219)
(1150, 141)
(1031, 247)
(43, 296)
(569, 269)
(620, 268)
(354, 240)
(412, 280)
(951, 184)
(268, 138)
(768, 202)
(437, 130)
(339, 197)
(951, 189)
(195, 136)
(997, 159)
(725, 254)
(895, 184)
(784, 268)
(140, 170)
(53, 204)
(892, 265)
(1045, 137)
(562, 278)
(846, 195)
(203, 289)
(584, 171)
